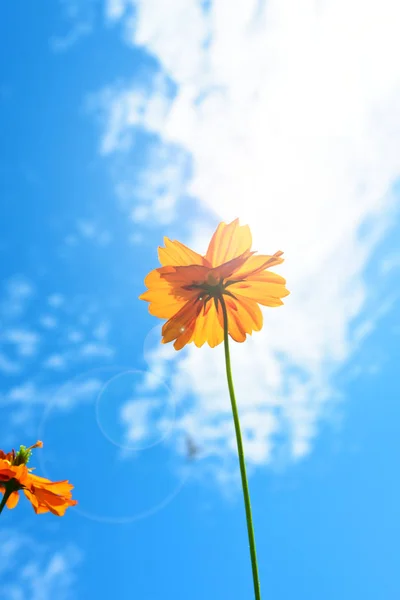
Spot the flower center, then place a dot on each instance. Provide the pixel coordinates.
(211, 288)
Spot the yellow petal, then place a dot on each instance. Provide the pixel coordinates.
(162, 304)
(263, 292)
(267, 277)
(165, 299)
(228, 241)
(12, 500)
(155, 280)
(177, 254)
(209, 326)
(164, 310)
(244, 316)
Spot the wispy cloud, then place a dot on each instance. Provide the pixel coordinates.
(75, 336)
(137, 415)
(24, 398)
(18, 292)
(289, 114)
(25, 341)
(391, 263)
(39, 364)
(22, 344)
(48, 322)
(56, 300)
(80, 18)
(56, 362)
(37, 571)
(62, 43)
(7, 365)
(88, 231)
(152, 192)
(96, 349)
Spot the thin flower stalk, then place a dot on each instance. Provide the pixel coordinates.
(209, 298)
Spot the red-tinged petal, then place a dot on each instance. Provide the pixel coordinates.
(181, 277)
(9, 471)
(182, 321)
(256, 264)
(228, 241)
(9, 456)
(185, 336)
(229, 269)
(177, 254)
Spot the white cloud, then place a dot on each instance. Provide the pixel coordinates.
(90, 230)
(65, 395)
(36, 365)
(87, 230)
(62, 43)
(31, 569)
(25, 341)
(48, 322)
(137, 416)
(17, 294)
(80, 17)
(24, 392)
(136, 239)
(21, 346)
(128, 108)
(115, 9)
(391, 263)
(56, 300)
(290, 113)
(101, 331)
(56, 362)
(150, 193)
(8, 366)
(75, 336)
(96, 349)
(19, 287)
(76, 392)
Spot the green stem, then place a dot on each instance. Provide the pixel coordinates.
(6, 495)
(245, 485)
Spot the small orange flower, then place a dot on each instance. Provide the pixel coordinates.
(45, 495)
(189, 288)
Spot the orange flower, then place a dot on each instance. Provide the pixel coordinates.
(12, 477)
(45, 495)
(189, 289)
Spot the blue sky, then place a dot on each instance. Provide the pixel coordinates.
(126, 121)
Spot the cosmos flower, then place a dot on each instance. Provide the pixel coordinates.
(45, 495)
(190, 289)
